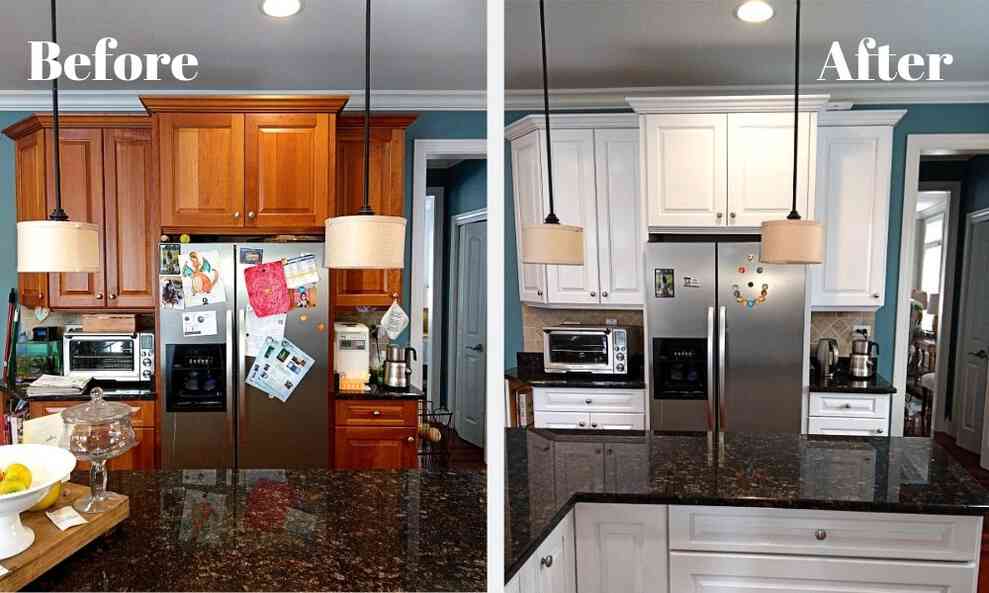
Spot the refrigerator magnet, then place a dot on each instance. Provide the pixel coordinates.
(251, 256)
(664, 283)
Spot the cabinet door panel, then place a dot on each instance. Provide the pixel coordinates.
(82, 200)
(575, 204)
(31, 205)
(528, 187)
(686, 169)
(558, 573)
(579, 468)
(760, 167)
(375, 448)
(201, 159)
(131, 218)
(621, 548)
(288, 161)
(616, 154)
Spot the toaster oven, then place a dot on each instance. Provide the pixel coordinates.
(108, 357)
(590, 349)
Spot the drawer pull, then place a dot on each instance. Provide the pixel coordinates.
(879, 431)
(846, 406)
(412, 439)
(594, 424)
(588, 401)
(546, 561)
(821, 535)
(582, 424)
(376, 413)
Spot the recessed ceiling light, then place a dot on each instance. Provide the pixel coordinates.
(281, 8)
(754, 11)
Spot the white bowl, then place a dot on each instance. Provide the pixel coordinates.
(48, 465)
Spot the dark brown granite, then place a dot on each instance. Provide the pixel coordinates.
(548, 471)
(842, 382)
(530, 371)
(383, 392)
(271, 530)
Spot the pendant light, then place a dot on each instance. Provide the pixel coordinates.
(793, 241)
(551, 242)
(57, 244)
(365, 240)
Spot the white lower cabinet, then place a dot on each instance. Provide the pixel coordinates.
(621, 548)
(859, 414)
(551, 568)
(592, 409)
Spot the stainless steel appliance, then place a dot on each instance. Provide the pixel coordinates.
(727, 338)
(108, 356)
(862, 361)
(826, 357)
(576, 348)
(398, 366)
(212, 418)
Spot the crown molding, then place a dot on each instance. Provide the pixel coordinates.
(859, 93)
(862, 117)
(727, 104)
(571, 121)
(128, 101)
(244, 103)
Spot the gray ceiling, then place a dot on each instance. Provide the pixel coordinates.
(627, 43)
(417, 44)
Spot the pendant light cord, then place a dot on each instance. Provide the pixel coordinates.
(366, 207)
(57, 213)
(794, 215)
(551, 217)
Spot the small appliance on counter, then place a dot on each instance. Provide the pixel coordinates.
(108, 356)
(398, 366)
(37, 358)
(599, 349)
(351, 354)
(826, 357)
(862, 362)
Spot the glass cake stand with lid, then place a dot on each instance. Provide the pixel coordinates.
(97, 431)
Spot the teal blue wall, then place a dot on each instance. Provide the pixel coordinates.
(8, 214)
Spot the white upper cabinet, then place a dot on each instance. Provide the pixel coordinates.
(852, 202)
(760, 167)
(529, 184)
(619, 233)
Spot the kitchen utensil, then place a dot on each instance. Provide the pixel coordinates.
(48, 465)
(827, 356)
(97, 431)
(398, 366)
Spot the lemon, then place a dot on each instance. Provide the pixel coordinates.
(11, 486)
(17, 472)
(49, 499)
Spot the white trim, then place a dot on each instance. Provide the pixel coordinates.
(862, 117)
(917, 144)
(119, 100)
(425, 149)
(450, 372)
(572, 121)
(726, 104)
(860, 93)
(436, 322)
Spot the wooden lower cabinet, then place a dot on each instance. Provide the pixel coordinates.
(376, 434)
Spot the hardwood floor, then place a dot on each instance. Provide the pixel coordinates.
(452, 452)
(970, 461)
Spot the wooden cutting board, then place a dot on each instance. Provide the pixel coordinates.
(51, 546)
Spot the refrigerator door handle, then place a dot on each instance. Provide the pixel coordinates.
(711, 400)
(241, 376)
(722, 366)
(231, 432)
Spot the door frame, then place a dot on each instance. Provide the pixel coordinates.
(971, 219)
(436, 322)
(423, 151)
(450, 372)
(917, 146)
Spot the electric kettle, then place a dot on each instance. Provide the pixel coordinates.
(398, 366)
(862, 362)
(827, 357)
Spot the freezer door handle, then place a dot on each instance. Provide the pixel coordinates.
(722, 366)
(241, 375)
(231, 433)
(709, 409)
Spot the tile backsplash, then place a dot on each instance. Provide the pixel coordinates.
(838, 325)
(534, 319)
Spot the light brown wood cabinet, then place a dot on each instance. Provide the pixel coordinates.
(370, 288)
(376, 434)
(233, 163)
(107, 179)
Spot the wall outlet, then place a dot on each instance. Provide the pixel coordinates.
(610, 321)
(862, 329)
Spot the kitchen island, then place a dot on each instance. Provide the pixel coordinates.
(789, 503)
(287, 530)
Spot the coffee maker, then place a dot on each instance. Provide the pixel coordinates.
(862, 362)
(398, 366)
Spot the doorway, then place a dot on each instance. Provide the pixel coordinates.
(468, 344)
(972, 356)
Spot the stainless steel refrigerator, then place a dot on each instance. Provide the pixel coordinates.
(727, 338)
(212, 418)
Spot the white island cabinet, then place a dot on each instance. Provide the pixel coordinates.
(551, 568)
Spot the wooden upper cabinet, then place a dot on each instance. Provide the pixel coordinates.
(370, 288)
(131, 215)
(29, 165)
(289, 163)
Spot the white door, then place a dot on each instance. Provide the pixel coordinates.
(574, 203)
(528, 188)
(621, 548)
(616, 154)
(471, 332)
(852, 202)
(760, 167)
(686, 165)
(972, 352)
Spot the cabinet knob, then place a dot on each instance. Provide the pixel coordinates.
(847, 406)
(539, 292)
(112, 296)
(604, 294)
(412, 439)
(879, 431)
(546, 561)
(251, 215)
(587, 401)
(732, 215)
(721, 215)
(875, 295)
(99, 295)
(376, 413)
(594, 293)
(237, 214)
(394, 295)
(582, 424)
(821, 535)
(594, 424)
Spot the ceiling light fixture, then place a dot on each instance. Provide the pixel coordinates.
(754, 11)
(57, 244)
(365, 240)
(281, 8)
(793, 241)
(551, 242)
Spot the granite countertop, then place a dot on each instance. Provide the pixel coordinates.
(530, 371)
(842, 382)
(270, 530)
(382, 392)
(548, 471)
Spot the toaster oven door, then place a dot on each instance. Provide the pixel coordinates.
(112, 358)
(578, 351)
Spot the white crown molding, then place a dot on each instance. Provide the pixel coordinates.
(571, 121)
(127, 101)
(859, 93)
(727, 104)
(862, 117)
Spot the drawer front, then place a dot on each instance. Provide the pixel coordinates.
(605, 421)
(562, 420)
(849, 406)
(825, 533)
(589, 400)
(863, 427)
(142, 412)
(376, 413)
